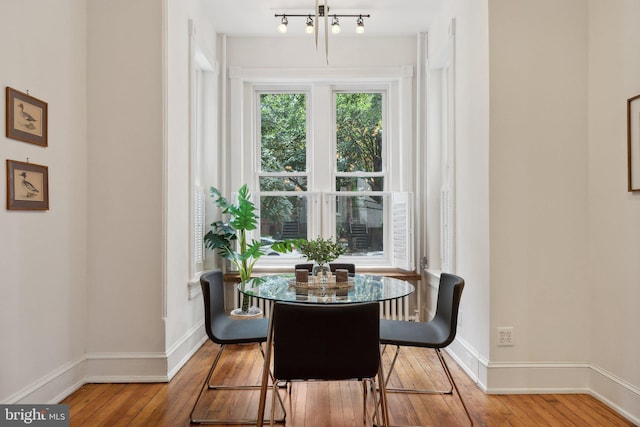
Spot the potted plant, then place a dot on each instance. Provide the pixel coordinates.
(322, 251)
(231, 240)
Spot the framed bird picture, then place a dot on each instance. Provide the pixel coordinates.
(27, 186)
(26, 118)
(633, 143)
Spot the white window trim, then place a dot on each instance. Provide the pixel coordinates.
(397, 82)
(201, 76)
(441, 143)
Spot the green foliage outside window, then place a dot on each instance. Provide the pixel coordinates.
(284, 132)
(283, 149)
(359, 136)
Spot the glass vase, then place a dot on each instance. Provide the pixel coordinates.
(322, 272)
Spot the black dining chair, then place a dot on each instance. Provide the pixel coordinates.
(437, 334)
(313, 342)
(223, 330)
(351, 268)
(304, 266)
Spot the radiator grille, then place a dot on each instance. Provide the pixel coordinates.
(264, 305)
(397, 309)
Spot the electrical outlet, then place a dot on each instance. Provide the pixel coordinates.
(505, 336)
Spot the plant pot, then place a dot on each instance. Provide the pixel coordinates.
(253, 313)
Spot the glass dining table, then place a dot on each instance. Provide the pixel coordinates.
(284, 287)
(359, 288)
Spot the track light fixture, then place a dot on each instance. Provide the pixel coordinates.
(312, 27)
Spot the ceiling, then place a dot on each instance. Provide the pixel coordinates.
(256, 17)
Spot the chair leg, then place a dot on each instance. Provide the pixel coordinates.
(409, 390)
(447, 372)
(274, 391)
(376, 404)
(383, 395)
(364, 401)
(266, 372)
(452, 381)
(208, 386)
(382, 404)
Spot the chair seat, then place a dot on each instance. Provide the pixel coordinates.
(437, 333)
(432, 334)
(223, 330)
(229, 331)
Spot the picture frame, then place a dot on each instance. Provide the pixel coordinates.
(633, 143)
(27, 186)
(26, 118)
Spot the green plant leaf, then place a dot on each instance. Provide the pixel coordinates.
(230, 238)
(283, 246)
(320, 250)
(244, 215)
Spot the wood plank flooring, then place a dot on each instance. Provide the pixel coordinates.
(322, 404)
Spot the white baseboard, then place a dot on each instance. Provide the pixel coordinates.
(111, 368)
(126, 367)
(616, 393)
(548, 378)
(180, 353)
(53, 387)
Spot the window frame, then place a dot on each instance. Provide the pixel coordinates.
(387, 257)
(321, 205)
(399, 163)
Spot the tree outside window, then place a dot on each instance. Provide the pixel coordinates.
(359, 167)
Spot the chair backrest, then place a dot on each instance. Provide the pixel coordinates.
(308, 266)
(212, 284)
(222, 329)
(326, 342)
(351, 268)
(449, 294)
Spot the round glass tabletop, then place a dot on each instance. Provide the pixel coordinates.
(361, 288)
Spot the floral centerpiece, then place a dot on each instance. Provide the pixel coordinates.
(322, 251)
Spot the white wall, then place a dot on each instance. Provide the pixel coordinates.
(43, 254)
(139, 236)
(614, 214)
(539, 180)
(184, 316)
(467, 20)
(563, 230)
(300, 52)
(125, 199)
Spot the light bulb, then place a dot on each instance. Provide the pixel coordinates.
(360, 26)
(282, 27)
(335, 26)
(309, 29)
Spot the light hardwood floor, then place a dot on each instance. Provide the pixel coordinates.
(323, 404)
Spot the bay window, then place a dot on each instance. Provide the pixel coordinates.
(318, 160)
